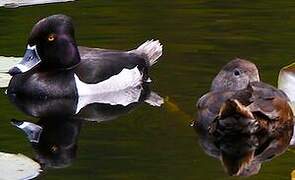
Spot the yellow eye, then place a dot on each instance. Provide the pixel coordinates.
(51, 37)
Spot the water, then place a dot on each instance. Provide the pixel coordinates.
(198, 37)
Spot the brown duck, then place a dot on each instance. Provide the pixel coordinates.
(241, 107)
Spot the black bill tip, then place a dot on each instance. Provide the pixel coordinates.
(16, 122)
(14, 71)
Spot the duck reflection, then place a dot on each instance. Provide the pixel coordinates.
(54, 137)
(243, 154)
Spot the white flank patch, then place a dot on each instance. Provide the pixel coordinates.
(287, 84)
(123, 97)
(127, 78)
(5, 64)
(120, 89)
(17, 166)
(19, 3)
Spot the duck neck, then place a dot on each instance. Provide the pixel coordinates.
(65, 61)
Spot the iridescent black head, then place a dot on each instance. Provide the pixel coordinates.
(51, 45)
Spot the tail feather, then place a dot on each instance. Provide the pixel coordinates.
(234, 118)
(232, 106)
(151, 50)
(154, 99)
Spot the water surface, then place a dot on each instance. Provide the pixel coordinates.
(198, 37)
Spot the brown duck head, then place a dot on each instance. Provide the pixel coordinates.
(235, 75)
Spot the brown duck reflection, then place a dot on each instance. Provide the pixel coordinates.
(243, 154)
(242, 121)
(55, 136)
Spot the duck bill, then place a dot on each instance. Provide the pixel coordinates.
(33, 131)
(29, 61)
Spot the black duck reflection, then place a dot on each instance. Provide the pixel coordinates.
(243, 121)
(54, 139)
(55, 136)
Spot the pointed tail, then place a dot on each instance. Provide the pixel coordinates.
(151, 50)
(232, 106)
(234, 118)
(240, 164)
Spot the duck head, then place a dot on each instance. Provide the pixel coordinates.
(51, 45)
(235, 75)
(54, 139)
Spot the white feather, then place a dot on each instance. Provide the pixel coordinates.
(150, 50)
(123, 97)
(287, 84)
(121, 89)
(154, 99)
(127, 78)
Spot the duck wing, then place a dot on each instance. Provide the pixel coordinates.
(259, 106)
(88, 52)
(269, 102)
(208, 107)
(101, 64)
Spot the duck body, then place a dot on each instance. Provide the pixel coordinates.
(247, 111)
(259, 106)
(96, 66)
(238, 99)
(103, 64)
(38, 85)
(58, 68)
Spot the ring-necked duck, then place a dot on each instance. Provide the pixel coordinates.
(240, 104)
(53, 65)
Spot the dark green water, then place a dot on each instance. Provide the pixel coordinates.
(198, 37)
